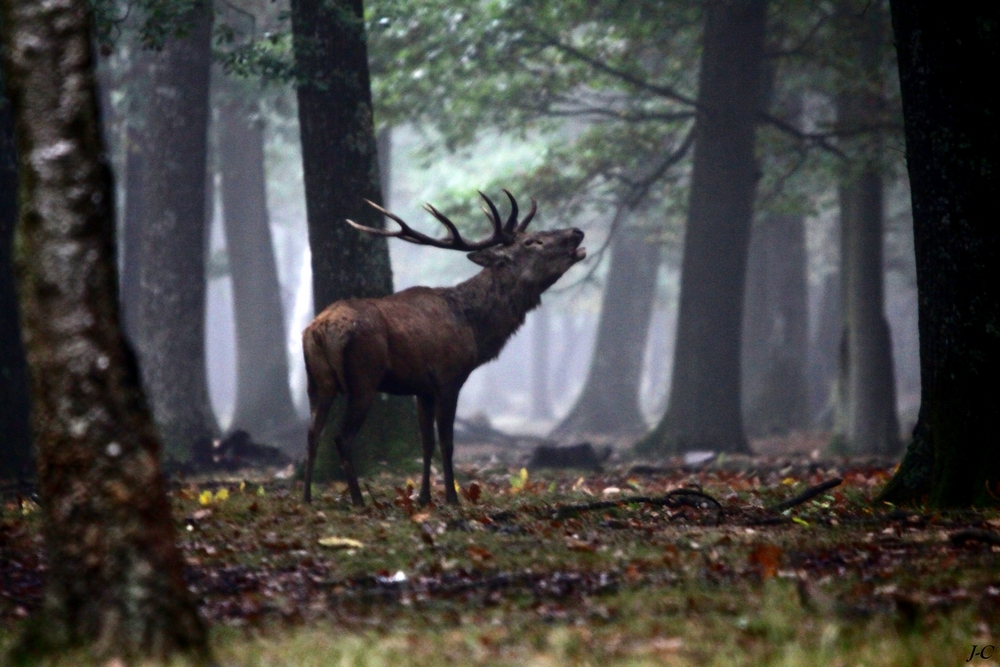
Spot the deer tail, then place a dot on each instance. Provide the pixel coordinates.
(324, 356)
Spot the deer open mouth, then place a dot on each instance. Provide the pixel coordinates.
(579, 253)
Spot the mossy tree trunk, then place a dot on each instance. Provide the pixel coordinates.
(952, 152)
(115, 579)
(16, 461)
(170, 321)
(341, 170)
(263, 397)
(704, 410)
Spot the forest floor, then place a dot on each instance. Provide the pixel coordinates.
(635, 565)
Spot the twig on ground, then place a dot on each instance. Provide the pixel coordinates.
(806, 495)
(974, 534)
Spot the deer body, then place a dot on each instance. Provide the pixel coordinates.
(425, 342)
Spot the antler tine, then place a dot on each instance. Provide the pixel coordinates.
(512, 219)
(443, 219)
(531, 214)
(405, 232)
(498, 230)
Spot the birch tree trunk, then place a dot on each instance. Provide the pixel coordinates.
(115, 580)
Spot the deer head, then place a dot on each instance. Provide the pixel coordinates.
(538, 258)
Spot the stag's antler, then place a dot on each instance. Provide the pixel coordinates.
(501, 233)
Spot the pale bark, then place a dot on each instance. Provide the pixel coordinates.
(263, 397)
(775, 328)
(866, 420)
(609, 403)
(171, 313)
(541, 395)
(114, 577)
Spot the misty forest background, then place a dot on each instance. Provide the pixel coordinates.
(590, 108)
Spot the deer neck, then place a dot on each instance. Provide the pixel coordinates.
(494, 303)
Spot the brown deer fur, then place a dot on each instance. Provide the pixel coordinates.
(425, 342)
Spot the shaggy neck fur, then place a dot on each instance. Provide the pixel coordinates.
(494, 302)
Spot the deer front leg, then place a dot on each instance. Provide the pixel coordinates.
(425, 416)
(320, 410)
(447, 405)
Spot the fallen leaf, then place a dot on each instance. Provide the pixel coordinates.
(340, 543)
(766, 558)
(478, 554)
(574, 544)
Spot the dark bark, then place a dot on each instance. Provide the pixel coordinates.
(263, 397)
(171, 313)
(865, 421)
(16, 460)
(609, 403)
(339, 156)
(115, 579)
(775, 327)
(704, 407)
(341, 170)
(952, 148)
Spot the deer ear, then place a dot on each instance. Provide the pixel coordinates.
(489, 257)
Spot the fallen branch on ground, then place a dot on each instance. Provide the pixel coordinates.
(806, 495)
(974, 534)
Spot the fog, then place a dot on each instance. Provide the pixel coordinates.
(503, 390)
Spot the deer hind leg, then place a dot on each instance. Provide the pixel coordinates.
(320, 409)
(425, 416)
(359, 403)
(446, 407)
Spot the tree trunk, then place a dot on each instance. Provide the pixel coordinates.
(263, 397)
(704, 408)
(341, 170)
(16, 460)
(868, 423)
(128, 244)
(866, 420)
(129, 252)
(775, 327)
(541, 397)
(171, 313)
(952, 148)
(609, 403)
(823, 354)
(115, 579)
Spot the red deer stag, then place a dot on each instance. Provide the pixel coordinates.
(424, 341)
